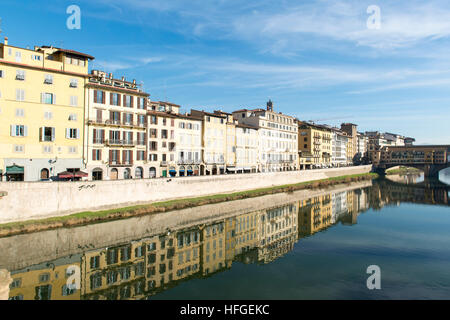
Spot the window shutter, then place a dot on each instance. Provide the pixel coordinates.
(110, 155)
(111, 100)
(41, 129)
(118, 99)
(131, 156)
(94, 136)
(103, 97)
(111, 116)
(25, 131)
(131, 136)
(138, 102)
(54, 99)
(93, 154)
(100, 154)
(145, 103)
(119, 116)
(53, 134)
(42, 97)
(123, 156)
(110, 135)
(67, 133)
(124, 100)
(103, 135)
(95, 96)
(132, 101)
(78, 133)
(13, 130)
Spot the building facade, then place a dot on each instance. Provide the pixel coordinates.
(315, 142)
(41, 111)
(116, 128)
(278, 147)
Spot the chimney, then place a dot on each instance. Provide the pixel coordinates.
(270, 105)
(6, 41)
(123, 78)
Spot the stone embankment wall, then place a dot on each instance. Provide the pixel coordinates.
(36, 200)
(25, 250)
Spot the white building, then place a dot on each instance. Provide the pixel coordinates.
(278, 146)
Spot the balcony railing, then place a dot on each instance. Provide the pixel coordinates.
(117, 142)
(112, 122)
(189, 161)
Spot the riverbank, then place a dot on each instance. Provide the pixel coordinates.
(26, 201)
(90, 217)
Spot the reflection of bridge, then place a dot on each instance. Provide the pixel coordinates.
(430, 159)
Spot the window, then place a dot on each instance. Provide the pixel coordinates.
(18, 56)
(16, 283)
(48, 79)
(2, 73)
(73, 117)
(20, 75)
(115, 98)
(19, 148)
(72, 133)
(48, 115)
(35, 57)
(47, 134)
(99, 96)
(68, 290)
(73, 101)
(20, 95)
(95, 262)
(20, 113)
(19, 131)
(73, 149)
(44, 277)
(47, 98)
(96, 154)
(73, 83)
(47, 149)
(128, 101)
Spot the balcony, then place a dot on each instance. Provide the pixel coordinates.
(125, 163)
(188, 161)
(163, 163)
(116, 123)
(120, 143)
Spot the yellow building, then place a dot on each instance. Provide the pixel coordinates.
(352, 145)
(315, 214)
(58, 280)
(213, 249)
(214, 140)
(314, 145)
(116, 128)
(113, 273)
(41, 111)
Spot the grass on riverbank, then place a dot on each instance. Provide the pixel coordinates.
(89, 217)
(403, 170)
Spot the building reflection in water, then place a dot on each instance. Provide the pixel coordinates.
(143, 268)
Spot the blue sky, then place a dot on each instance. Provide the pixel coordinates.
(316, 60)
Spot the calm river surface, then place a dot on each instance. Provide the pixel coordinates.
(317, 248)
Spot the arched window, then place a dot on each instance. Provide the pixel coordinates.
(138, 173)
(152, 172)
(97, 174)
(127, 173)
(45, 174)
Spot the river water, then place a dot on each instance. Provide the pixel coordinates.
(310, 248)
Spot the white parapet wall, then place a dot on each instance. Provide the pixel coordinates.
(36, 200)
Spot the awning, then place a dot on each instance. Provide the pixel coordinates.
(68, 175)
(14, 170)
(173, 171)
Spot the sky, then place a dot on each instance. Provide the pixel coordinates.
(316, 60)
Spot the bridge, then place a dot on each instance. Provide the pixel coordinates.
(429, 158)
